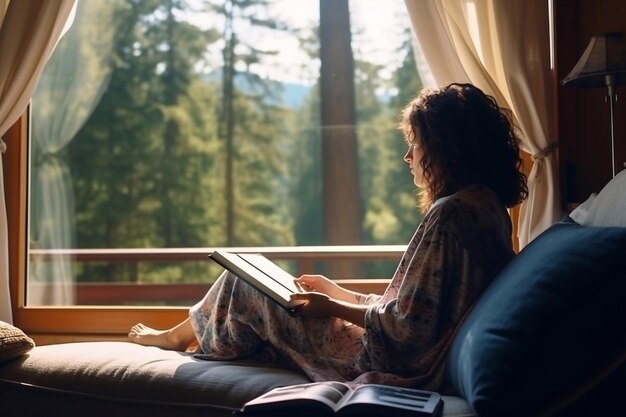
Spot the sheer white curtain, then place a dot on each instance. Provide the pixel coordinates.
(28, 34)
(503, 48)
(5, 296)
(69, 89)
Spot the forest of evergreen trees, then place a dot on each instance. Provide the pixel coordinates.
(174, 157)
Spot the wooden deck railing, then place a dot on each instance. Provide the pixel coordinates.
(115, 293)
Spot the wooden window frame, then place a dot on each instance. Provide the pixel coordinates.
(82, 323)
(55, 324)
(52, 324)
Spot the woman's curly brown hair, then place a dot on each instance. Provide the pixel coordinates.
(466, 138)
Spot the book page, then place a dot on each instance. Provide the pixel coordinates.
(246, 271)
(326, 393)
(272, 270)
(396, 400)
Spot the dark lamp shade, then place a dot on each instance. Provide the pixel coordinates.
(602, 63)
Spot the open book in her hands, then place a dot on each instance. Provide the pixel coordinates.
(262, 274)
(338, 399)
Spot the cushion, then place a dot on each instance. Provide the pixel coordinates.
(547, 323)
(608, 208)
(126, 379)
(133, 372)
(13, 342)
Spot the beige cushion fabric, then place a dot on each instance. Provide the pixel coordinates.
(151, 379)
(130, 371)
(608, 208)
(13, 342)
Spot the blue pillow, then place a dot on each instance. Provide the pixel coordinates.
(549, 321)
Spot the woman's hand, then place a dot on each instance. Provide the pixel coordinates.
(321, 284)
(317, 305)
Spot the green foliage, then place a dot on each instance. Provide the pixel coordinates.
(149, 165)
(305, 171)
(141, 162)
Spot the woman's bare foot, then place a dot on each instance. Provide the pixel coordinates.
(176, 338)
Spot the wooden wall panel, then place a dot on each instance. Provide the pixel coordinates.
(584, 116)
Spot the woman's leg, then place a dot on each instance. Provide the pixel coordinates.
(202, 315)
(234, 320)
(178, 337)
(217, 319)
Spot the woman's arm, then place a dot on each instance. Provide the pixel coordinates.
(321, 284)
(320, 305)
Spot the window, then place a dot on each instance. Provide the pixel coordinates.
(161, 130)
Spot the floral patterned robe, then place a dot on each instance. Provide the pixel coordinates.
(458, 249)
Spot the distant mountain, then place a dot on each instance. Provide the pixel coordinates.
(293, 94)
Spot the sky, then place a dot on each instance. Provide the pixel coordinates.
(377, 27)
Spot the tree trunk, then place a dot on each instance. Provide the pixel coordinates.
(227, 131)
(342, 214)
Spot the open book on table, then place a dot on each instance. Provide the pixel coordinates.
(262, 274)
(338, 399)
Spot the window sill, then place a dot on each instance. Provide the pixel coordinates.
(52, 324)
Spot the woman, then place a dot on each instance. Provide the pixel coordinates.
(463, 153)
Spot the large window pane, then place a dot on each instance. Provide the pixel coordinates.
(164, 128)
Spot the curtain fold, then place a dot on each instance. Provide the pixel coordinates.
(488, 43)
(69, 89)
(29, 32)
(435, 42)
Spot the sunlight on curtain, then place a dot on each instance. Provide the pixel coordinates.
(435, 43)
(5, 296)
(423, 69)
(70, 87)
(29, 31)
(487, 43)
(3, 9)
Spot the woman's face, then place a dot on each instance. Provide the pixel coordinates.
(413, 157)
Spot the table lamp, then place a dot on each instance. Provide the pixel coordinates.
(603, 64)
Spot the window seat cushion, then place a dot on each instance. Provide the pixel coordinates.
(133, 373)
(121, 378)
